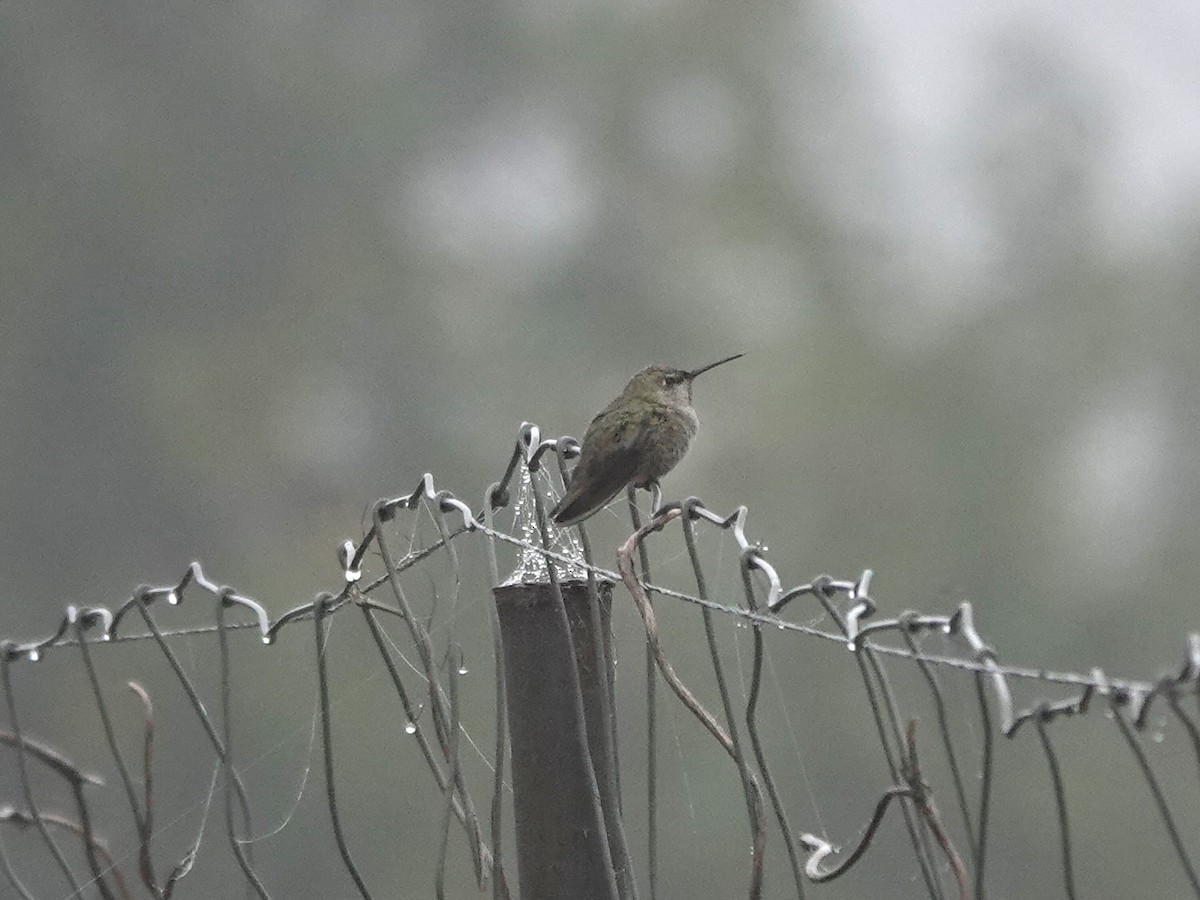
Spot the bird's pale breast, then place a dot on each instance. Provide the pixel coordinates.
(672, 430)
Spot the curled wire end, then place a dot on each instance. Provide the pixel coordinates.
(669, 507)
(227, 597)
(861, 610)
(196, 574)
(446, 502)
(84, 619)
(861, 591)
(442, 501)
(144, 595)
(1164, 687)
(1191, 665)
(347, 558)
(1045, 712)
(529, 436)
(497, 496)
(1085, 700)
(954, 623)
(385, 510)
(188, 577)
(532, 447)
(9, 651)
(819, 850)
(751, 560)
(965, 622)
(860, 595)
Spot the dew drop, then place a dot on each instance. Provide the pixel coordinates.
(34, 655)
(173, 598)
(410, 727)
(852, 646)
(268, 640)
(462, 670)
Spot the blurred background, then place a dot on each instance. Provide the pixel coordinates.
(266, 262)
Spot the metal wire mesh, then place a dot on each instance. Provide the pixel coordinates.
(149, 826)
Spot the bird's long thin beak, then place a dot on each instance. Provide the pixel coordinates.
(692, 374)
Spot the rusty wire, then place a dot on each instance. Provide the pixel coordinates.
(765, 602)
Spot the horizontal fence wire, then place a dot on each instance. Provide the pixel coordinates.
(416, 645)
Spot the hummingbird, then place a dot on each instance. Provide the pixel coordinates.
(638, 438)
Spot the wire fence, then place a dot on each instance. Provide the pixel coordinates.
(418, 794)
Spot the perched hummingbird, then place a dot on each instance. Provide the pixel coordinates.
(637, 438)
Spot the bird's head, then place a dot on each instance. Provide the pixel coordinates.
(665, 384)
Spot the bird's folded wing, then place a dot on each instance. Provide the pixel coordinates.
(598, 478)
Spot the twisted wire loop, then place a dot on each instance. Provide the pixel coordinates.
(422, 669)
